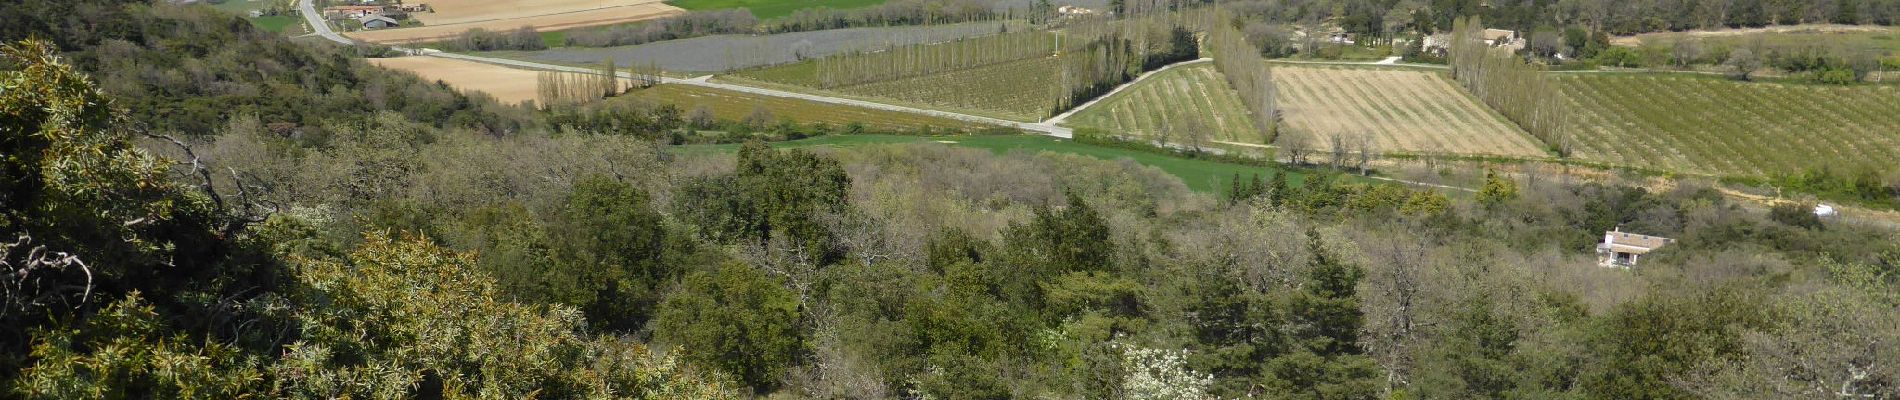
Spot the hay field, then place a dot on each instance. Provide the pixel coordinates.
(1712, 125)
(1197, 92)
(735, 106)
(508, 85)
(452, 17)
(1406, 111)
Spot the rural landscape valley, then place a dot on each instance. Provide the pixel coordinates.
(950, 199)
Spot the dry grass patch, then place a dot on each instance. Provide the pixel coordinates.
(508, 85)
(1406, 111)
(452, 17)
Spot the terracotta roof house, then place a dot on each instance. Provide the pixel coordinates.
(1623, 249)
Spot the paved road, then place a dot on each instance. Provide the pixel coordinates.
(315, 19)
(1045, 128)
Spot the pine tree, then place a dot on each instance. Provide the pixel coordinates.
(1277, 190)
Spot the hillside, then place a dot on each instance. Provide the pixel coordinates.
(191, 208)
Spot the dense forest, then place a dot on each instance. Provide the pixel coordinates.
(329, 229)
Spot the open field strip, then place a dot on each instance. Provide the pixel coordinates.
(452, 17)
(1848, 36)
(509, 85)
(1412, 111)
(1716, 126)
(734, 106)
(766, 9)
(1193, 91)
(719, 53)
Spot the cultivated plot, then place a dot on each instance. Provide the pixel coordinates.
(1405, 111)
(729, 52)
(736, 106)
(1712, 125)
(765, 9)
(1171, 103)
(1025, 90)
(508, 85)
(452, 17)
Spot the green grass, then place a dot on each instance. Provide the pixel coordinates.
(1711, 125)
(554, 38)
(1200, 175)
(767, 9)
(1172, 101)
(735, 106)
(275, 24)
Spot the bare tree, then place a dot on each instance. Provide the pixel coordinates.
(700, 118)
(1337, 143)
(1294, 145)
(1742, 63)
(1364, 145)
(1686, 51)
(1193, 129)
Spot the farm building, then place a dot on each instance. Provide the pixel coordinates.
(351, 12)
(377, 22)
(1435, 44)
(1622, 249)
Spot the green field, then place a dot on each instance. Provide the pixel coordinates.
(1200, 175)
(1188, 97)
(734, 106)
(1023, 90)
(276, 23)
(1712, 125)
(767, 9)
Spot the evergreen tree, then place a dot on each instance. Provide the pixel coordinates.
(1277, 190)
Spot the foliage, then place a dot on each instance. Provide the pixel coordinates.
(188, 68)
(403, 318)
(737, 320)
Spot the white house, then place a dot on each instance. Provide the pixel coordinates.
(1622, 249)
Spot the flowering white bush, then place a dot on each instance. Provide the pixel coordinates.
(1160, 374)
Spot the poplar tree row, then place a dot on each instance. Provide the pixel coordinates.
(554, 87)
(926, 59)
(1509, 84)
(1115, 51)
(1249, 74)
